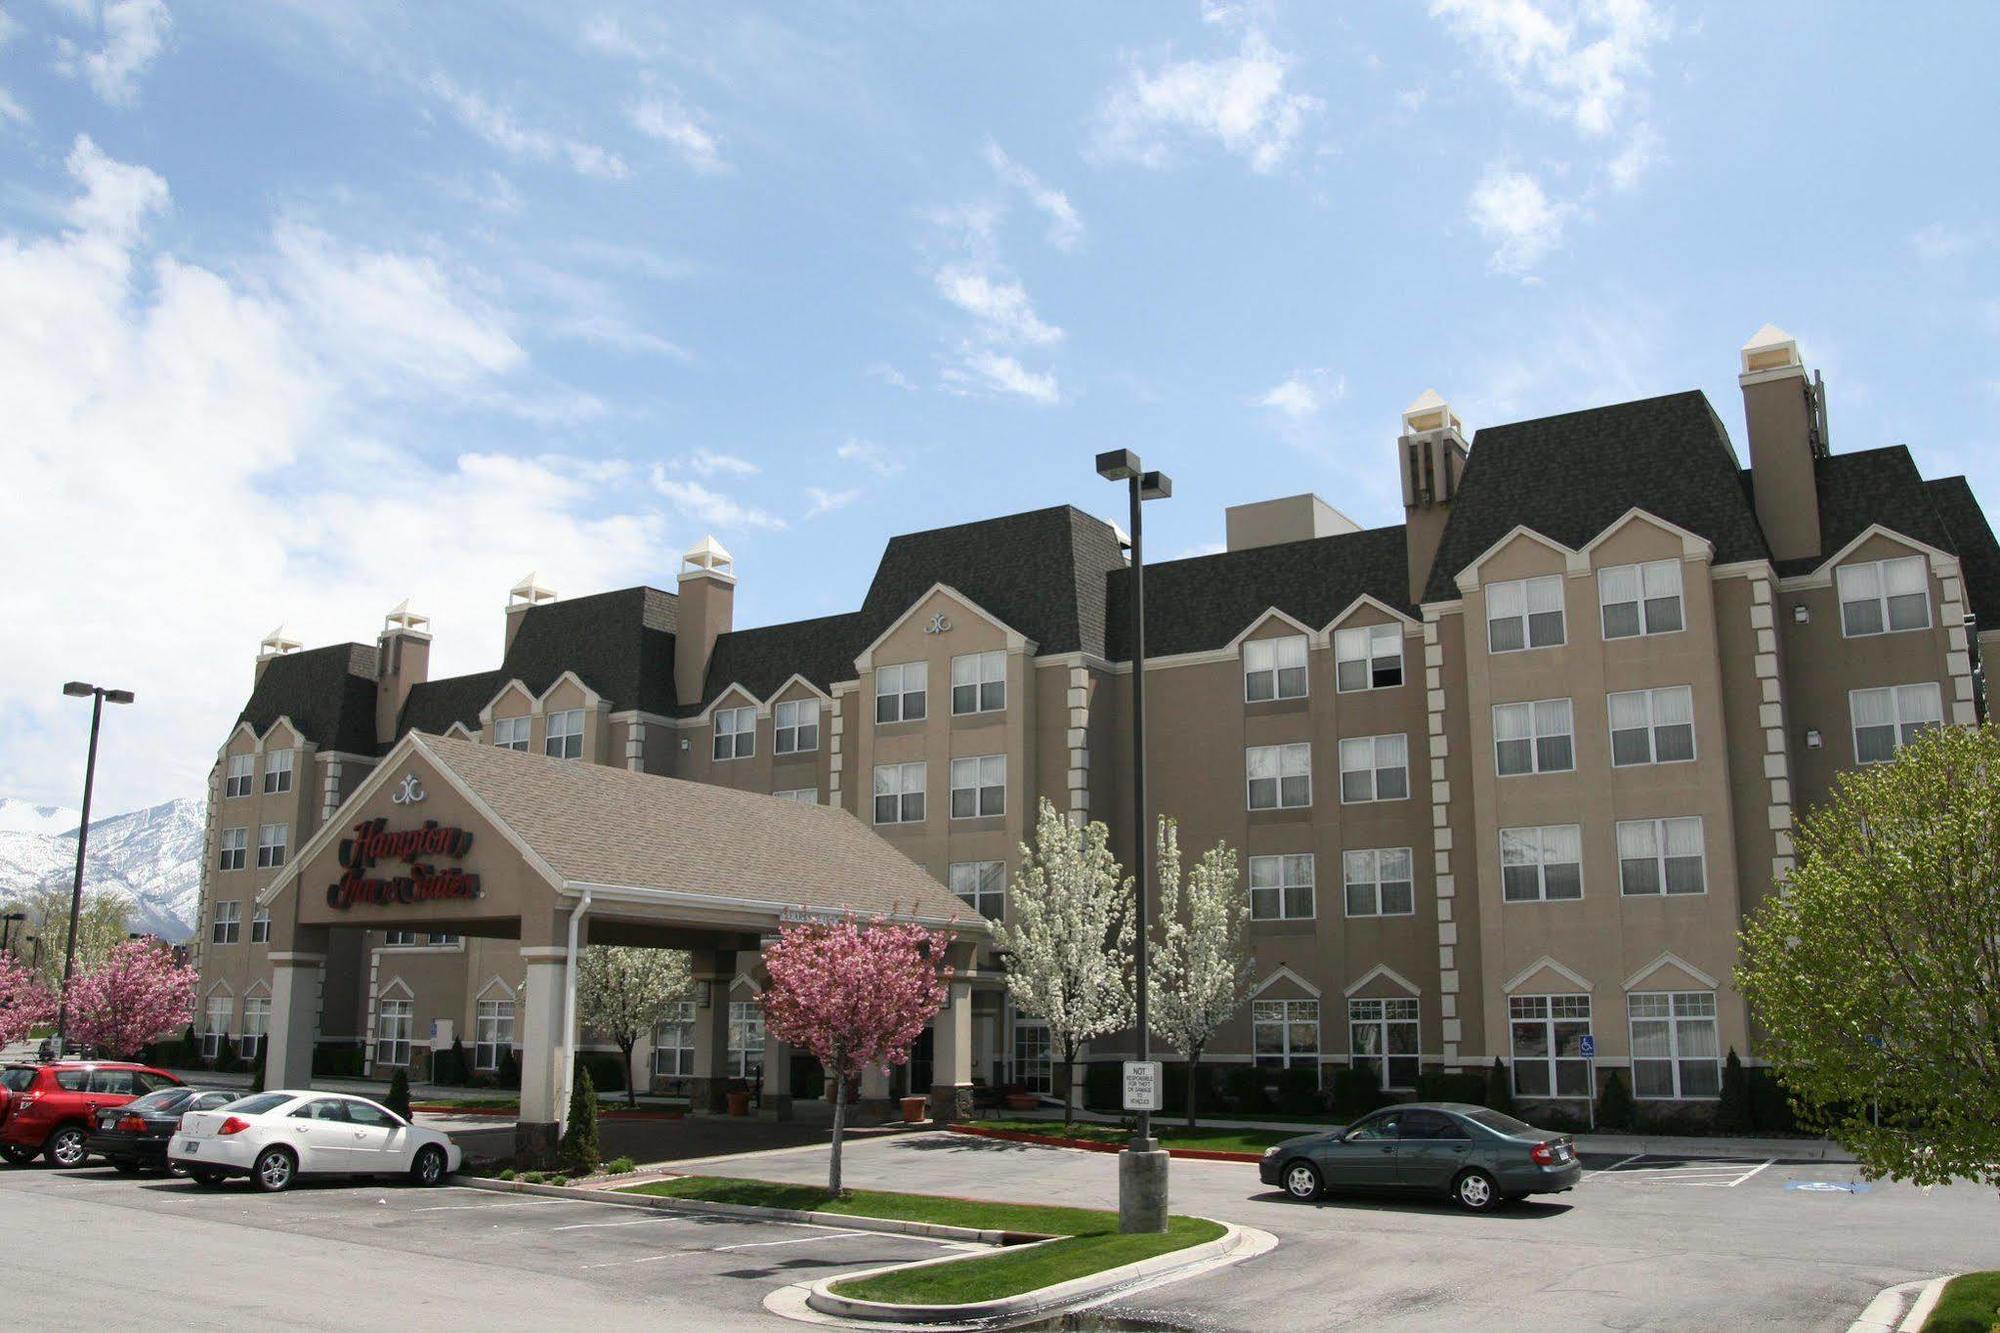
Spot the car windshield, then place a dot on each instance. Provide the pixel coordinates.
(1501, 1123)
(17, 1080)
(167, 1099)
(258, 1104)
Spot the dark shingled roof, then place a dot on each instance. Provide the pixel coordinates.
(1978, 553)
(434, 705)
(1569, 477)
(762, 659)
(328, 693)
(1871, 486)
(1203, 603)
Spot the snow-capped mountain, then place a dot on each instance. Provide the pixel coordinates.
(20, 817)
(151, 858)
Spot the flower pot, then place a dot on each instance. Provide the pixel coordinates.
(916, 1110)
(739, 1103)
(1022, 1101)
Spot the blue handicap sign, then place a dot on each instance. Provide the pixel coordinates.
(1588, 1046)
(1829, 1186)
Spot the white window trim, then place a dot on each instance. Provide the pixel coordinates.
(1562, 609)
(1541, 897)
(902, 771)
(1369, 658)
(1384, 1056)
(242, 769)
(799, 795)
(1285, 889)
(525, 725)
(273, 851)
(1550, 1061)
(796, 709)
(1652, 726)
(1374, 769)
(901, 694)
(550, 736)
(979, 683)
(1377, 882)
(975, 871)
(240, 851)
(1659, 827)
(979, 785)
(1280, 750)
(275, 770)
(1881, 599)
(226, 924)
(1896, 711)
(738, 726)
(1286, 1057)
(1645, 628)
(1674, 1058)
(1534, 738)
(1275, 671)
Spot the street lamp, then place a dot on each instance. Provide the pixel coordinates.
(98, 696)
(7, 922)
(1142, 1167)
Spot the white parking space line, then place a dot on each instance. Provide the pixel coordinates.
(1615, 1165)
(637, 1222)
(796, 1240)
(482, 1207)
(643, 1259)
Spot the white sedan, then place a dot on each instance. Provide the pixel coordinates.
(276, 1137)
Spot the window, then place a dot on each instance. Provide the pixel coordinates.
(1527, 613)
(1378, 882)
(227, 926)
(492, 1033)
(979, 786)
(1284, 1033)
(1674, 1045)
(735, 733)
(979, 683)
(277, 772)
(673, 1042)
(1281, 888)
(1382, 1034)
(799, 795)
(1280, 776)
(899, 793)
(1886, 720)
(1883, 597)
(392, 1032)
(240, 768)
(1652, 726)
(746, 1040)
(1533, 738)
(443, 937)
(400, 939)
(1541, 864)
(1374, 768)
(256, 1022)
(217, 1028)
(1660, 855)
(1368, 659)
(795, 728)
(1274, 668)
(565, 736)
(1033, 1068)
(982, 886)
(235, 848)
(1640, 599)
(260, 926)
(1548, 1033)
(512, 733)
(361, 1113)
(899, 692)
(271, 840)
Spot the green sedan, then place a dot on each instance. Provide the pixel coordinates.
(1478, 1157)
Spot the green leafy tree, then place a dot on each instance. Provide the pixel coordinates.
(624, 993)
(1615, 1109)
(579, 1152)
(398, 1099)
(1876, 971)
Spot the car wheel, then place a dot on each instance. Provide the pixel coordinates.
(65, 1147)
(1476, 1192)
(15, 1155)
(1302, 1181)
(274, 1170)
(429, 1168)
(205, 1179)
(125, 1168)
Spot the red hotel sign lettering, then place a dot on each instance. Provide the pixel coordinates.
(373, 842)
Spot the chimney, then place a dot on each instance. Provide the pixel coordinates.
(1295, 518)
(1432, 454)
(706, 612)
(402, 659)
(276, 644)
(1785, 416)
(525, 594)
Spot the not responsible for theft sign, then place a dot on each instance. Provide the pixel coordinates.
(1142, 1085)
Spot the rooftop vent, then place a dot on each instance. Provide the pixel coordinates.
(277, 643)
(1771, 348)
(401, 618)
(1430, 412)
(528, 592)
(708, 556)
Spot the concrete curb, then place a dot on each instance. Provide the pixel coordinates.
(839, 1221)
(1234, 1244)
(1902, 1308)
(1086, 1145)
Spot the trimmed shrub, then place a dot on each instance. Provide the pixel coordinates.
(1771, 1110)
(606, 1068)
(1103, 1085)
(398, 1099)
(579, 1152)
(1298, 1090)
(1499, 1088)
(510, 1070)
(1733, 1113)
(620, 1166)
(451, 1067)
(1460, 1086)
(1207, 1089)
(1356, 1092)
(808, 1080)
(1244, 1087)
(257, 1067)
(1614, 1106)
(337, 1061)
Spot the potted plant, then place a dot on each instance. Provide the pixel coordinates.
(1020, 1099)
(739, 1097)
(916, 1110)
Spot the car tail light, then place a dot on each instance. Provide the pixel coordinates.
(1542, 1154)
(132, 1124)
(236, 1124)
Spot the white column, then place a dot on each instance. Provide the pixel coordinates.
(951, 1056)
(545, 1047)
(294, 1026)
(711, 1041)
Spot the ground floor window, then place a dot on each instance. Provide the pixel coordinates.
(219, 1008)
(1033, 1067)
(1382, 1036)
(492, 1033)
(256, 1022)
(1675, 1050)
(1285, 1032)
(673, 1042)
(746, 1040)
(393, 1021)
(1548, 1033)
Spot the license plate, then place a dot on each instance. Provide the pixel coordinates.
(106, 1121)
(191, 1148)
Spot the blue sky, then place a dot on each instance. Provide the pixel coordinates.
(307, 308)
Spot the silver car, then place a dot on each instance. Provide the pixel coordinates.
(1479, 1158)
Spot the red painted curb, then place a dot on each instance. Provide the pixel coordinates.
(432, 1108)
(1087, 1145)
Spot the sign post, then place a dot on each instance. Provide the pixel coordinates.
(1142, 1085)
(1588, 1049)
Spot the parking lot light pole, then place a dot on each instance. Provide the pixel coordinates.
(7, 923)
(97, 695)
(1142, 1167)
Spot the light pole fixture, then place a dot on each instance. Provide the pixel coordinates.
(1142, 1167)
(98, 696)
(7, 924)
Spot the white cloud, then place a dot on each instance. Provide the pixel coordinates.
(981, 369)
(1640, 154)
(1065, 227)
(203, 453)
(1944, 240)
(889, 375)
(11, 110)
(1510, 209)
(1304, 393)
(1238, 101)
(866, 453)
(1001, 307)
(1577, 59)
(709, 463)
(607, 35)
(676, 127)
(825, 502)
(709, 507)
(617, 333)
(499, 127)
(134, 33)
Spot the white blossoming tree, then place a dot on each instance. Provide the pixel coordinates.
(1068, 953)
(1202, 966)
(624, 993)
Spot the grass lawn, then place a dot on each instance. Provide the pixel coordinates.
(1170, 1135)
(1091, 1240)
(1970, 1304)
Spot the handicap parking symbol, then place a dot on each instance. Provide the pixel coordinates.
(1829, 1186)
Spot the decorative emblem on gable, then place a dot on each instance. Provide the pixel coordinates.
(939, 624)
(408, 792)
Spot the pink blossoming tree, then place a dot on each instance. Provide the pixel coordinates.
(857, 995)
(131, 997)
(24, 1001)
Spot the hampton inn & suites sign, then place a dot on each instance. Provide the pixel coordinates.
(373, 842)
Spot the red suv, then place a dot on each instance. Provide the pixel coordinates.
(52, 1108)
